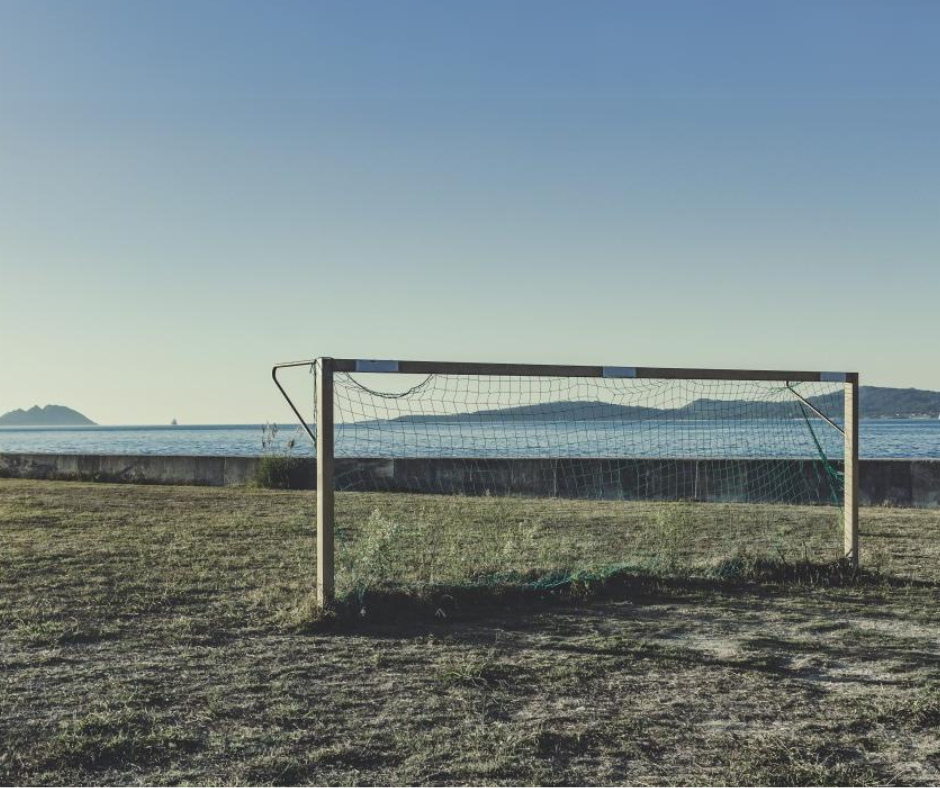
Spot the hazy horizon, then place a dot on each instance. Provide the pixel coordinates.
(449, 407)
(190, 193)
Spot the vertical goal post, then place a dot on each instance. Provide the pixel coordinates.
(324, 435)
(851, 470)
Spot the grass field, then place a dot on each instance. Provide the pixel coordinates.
(161, 635)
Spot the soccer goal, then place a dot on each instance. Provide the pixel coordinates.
(452, 473)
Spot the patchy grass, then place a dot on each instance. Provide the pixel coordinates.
(924, 710)
(787, 760)
(414, 540)
(166, 635)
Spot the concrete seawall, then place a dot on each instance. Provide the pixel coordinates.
(138, 469)
(904, 483)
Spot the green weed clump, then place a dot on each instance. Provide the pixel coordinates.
(760, 569)
(447, 543)
(278, 468)
(281, 473)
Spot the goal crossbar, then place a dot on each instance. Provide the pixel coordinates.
(571, 370)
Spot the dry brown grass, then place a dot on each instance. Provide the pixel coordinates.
(150, 636)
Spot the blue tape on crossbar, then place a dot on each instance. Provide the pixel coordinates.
(619, 372)
(376, 365)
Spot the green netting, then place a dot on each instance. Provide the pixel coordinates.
(472, 480)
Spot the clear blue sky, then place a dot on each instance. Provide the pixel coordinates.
(191, 191)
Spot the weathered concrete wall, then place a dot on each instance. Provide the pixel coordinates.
(905, 483)
(140, 469)
(610, 479)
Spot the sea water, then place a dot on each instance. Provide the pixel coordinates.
(902, 438)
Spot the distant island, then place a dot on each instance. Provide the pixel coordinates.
(49, 416)
(875, 402)
(879, 402)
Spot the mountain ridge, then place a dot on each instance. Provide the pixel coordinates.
(49, 416)
(875, 402)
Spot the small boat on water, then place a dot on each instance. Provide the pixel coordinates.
(174, 423)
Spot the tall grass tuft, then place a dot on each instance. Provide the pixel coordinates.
(278, 469)
(281, 473)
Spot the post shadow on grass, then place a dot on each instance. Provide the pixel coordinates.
(907, 653)
(771, 660)
(512, 594)
(901, 655)
(598, 634)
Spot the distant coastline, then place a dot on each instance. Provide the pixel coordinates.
(876, 402)
(49, 416)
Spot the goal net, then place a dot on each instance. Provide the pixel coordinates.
(466, 479)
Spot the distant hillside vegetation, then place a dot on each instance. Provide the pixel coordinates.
(876, 402)
(49, 416)
(886, 403)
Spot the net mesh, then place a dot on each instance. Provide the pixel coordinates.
(451, 479)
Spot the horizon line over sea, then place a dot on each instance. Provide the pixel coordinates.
(94, 427)
(879, 438)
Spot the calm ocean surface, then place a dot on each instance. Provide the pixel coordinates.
(888, 438)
